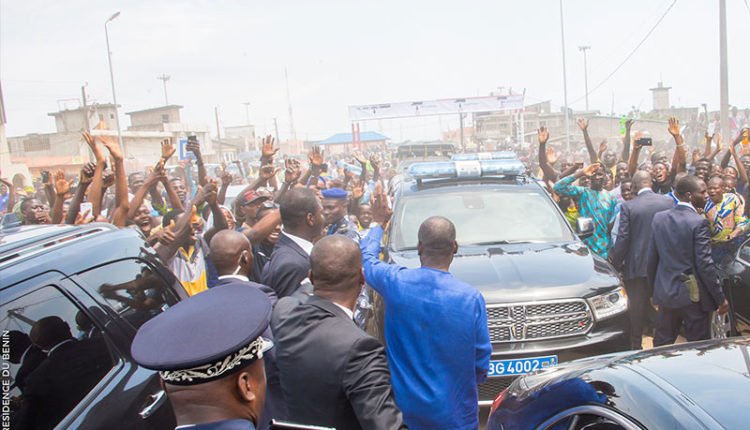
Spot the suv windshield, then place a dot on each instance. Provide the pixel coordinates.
(484, 216)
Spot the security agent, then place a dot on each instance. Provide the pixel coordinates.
(209, 351)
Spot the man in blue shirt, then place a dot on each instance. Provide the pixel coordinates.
(438, 344)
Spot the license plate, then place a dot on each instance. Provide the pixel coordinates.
(520, 366)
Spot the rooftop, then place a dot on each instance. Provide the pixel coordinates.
(167, 107)
(365, 136)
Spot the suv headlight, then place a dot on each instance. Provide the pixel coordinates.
(609, 304)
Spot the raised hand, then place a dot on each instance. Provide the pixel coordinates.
(375, 162)
(316, 156)
(709, 137)
(267, 149)
(360, 158)
(629, 123)
(552, 156)
(583, 123)
(591, 169)
(112, 146)
(674, 126)
(91, 142)
(292, 171)
(87, 173)
(268, 171)
(543, 135)
(84, 218)
(358, 191)
(603, 146)
(195, 147)
(62, 185)
(108, 179)
(226, 179)
(167, 149)
(211, 192)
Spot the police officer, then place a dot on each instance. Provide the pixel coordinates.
(209, 351)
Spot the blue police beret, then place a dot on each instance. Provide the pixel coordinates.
(206, 337)
(334, 193)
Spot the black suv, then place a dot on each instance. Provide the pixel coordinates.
(549, 299)
(80, 292)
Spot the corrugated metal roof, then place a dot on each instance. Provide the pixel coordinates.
(365, 136)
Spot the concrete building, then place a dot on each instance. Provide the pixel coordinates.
(66, 149)
(18, 173)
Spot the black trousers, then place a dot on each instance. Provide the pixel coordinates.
(669, 321)
(639, 302)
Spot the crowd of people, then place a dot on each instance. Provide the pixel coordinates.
(283, 278)
(663, 223)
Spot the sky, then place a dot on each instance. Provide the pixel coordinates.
(340, 53)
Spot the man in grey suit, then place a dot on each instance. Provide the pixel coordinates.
(332, 373)
(680, 267)
(631, 250)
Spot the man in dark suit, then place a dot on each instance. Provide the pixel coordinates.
(631, 250)
(332, 373)
(232, 256)
(302, 219)
(28, 355)
(680, 268)
(72, 368)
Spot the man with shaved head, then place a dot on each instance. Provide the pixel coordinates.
(333, 374)
(631, 249)
(436, 333)
(232, 255)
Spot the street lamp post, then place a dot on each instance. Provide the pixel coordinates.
(112, 80)
(585, 73)
(247, 112)
(565, 80)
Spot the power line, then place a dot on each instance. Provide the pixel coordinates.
(619, 66)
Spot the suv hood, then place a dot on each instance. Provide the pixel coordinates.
(527, 272)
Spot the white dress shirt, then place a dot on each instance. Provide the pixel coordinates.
(306, 245)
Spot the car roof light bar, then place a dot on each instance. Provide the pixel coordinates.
(467, 169)
(499, 155)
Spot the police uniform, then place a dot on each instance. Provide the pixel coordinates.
(347, 228)
(207, 337)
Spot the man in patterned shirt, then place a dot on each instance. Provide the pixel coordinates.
(726, 219)
(594, 202)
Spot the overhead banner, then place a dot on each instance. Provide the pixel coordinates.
(436, 107)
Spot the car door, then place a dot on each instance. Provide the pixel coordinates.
(740, 293)
(130, 292)
(61, 359)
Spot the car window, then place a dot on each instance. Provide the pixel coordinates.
(131, 288)
(745, 252)
(483, 217)
(57, 356)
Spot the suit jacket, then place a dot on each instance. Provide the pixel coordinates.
(289, 265)
(62, 380)
(274, 406)
(634, 236)
(225, 425)
(680, 245)
(332, 373)
(33, 358)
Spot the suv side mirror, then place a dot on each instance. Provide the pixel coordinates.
(585, 227)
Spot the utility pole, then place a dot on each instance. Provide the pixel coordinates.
(565, 80)
(585, 73)
(218, 134)
(461, 130)
(112, 81)
(86, 124)
(292, 133)
(723, 72)
(164, 78)
(247, 113)
(276, 128)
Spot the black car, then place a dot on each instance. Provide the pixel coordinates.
(699, 385)
(734, 272)
(97, 284)
(549, 299)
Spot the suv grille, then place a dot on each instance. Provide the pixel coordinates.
(539, 320)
